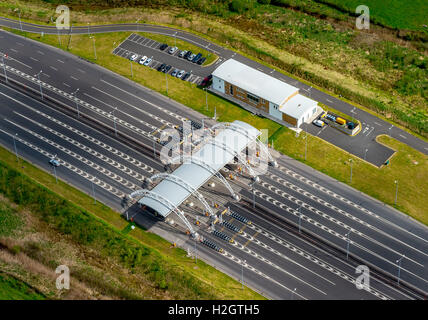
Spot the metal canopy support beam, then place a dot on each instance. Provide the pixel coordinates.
(211, 170)
(164, 201)
(184, 184)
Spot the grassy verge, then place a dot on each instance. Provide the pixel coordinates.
(321, 155)
(14, 289)
(97, 227)
(182, 45)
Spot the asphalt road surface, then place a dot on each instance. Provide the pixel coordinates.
(362, 145)
(378, 236)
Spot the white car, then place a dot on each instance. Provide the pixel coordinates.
(318, 123)
(172, 50)
(147, 62)
(142, 60)
(133, 57)
(180, 74)
(54, 162)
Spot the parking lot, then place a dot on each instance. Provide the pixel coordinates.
(142, 46)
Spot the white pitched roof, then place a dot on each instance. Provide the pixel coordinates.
(297, 106)
(254, 81)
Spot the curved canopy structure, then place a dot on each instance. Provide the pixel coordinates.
(201, 166)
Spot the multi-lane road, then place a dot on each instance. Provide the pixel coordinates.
(277, 258)
(363, 145)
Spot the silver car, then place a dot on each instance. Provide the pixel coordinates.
(180, 73)
(172, 50)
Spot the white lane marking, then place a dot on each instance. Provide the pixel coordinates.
(329, 101)
(402, 136)
(308, 207)
(74, 78)
(60, 60)
(377, 123)
(172, 114)
(268, 198)
(371, 130)
(127, 184)
(307, 194)
(339, 197)
(53, 68)
(21, 44)
(46, 75)
(126, 157)
(34, 59)
(80, 70)
(40, 52)
(16, 51)
(66, 85)
(71, 167)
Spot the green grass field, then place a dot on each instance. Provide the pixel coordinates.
(398, 14)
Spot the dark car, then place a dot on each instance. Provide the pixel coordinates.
(201, 60)
(206, 80)
(161, 67)
(197, 57)
(167, 68)
(188, 53)
(163, 46)
(187, 75)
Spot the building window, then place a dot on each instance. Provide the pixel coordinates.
(313, 111)
(253, 98)
(231, 90)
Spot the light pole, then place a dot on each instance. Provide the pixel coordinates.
(40, 83)
(351, 160)
(292, 293)
(175, 39)
(20, 23)
(14, 145)
(88, 28)
(196, 254)
(399, 268)
(132, 73)
(93, 192)
(75, 100)
(300, 217)
(347, 246)
(206, 98)
(114, 121)
(365, 153)
(396, 191)
(242, 273)
(306, 143)
(4, 67)
(95, 49)
(56, 177)
(166, 81)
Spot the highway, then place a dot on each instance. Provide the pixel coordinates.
(363, 145)
(379, 234)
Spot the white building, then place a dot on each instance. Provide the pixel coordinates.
(259, 90)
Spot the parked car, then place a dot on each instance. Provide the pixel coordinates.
(133, 57)
(182, 53)
(187, 75)
(162, 67)
(180, 73)
(191, 57)
(187, 54)
(318, 123)
(206, 80)
(142, 60)
(147, 62)
(54, 162)
(201, 60)
(163, 46)
(167, 68)
(174, 73)
(197, 57)
(172, 50)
